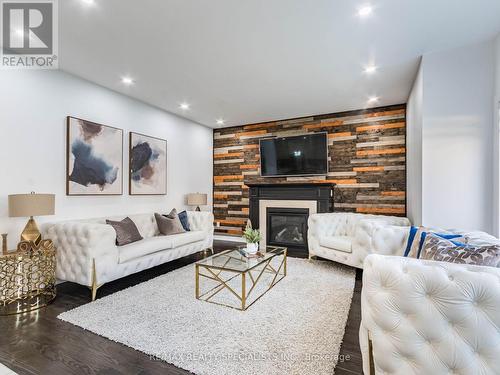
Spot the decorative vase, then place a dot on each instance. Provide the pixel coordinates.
(252, 248)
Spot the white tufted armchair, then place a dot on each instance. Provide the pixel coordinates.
(426, 317)
(349, 237)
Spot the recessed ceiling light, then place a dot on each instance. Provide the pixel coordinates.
(373, 99)
(127, 81)
(365, 11)
(89, 2)
(370, 69)
(184, 106)
(220, 121)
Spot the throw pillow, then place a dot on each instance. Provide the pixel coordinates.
(126, 231)
(446, 236)
(411, 238)
(169, 224)
(419, 238)
(183, 217)
(443, 250)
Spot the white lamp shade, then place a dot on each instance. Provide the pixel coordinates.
(197, 199)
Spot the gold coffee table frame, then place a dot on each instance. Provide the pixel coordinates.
(244, 266)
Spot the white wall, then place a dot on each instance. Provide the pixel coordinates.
(34, 106)
(457, 138)
(496, 142)
(414, 150)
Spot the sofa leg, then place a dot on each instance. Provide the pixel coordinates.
(209, 249)
(370, 356)
(310, 257)
(94, 286)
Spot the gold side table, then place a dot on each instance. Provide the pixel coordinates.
(27, 277)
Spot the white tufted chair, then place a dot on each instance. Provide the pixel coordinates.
(426, 317)
(349, 237)
(87, 253)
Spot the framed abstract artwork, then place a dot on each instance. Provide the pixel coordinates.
(147, 165)
(94, 158)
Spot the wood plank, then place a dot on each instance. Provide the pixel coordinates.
(342, 173)
(250, 147)
(393, 193)
(258, 126)
(368, 169)
(381, 143)
(379, 160)
(381, 210)
(324, 125)
(228, 155)
(387, 151)
(363, 197)
(394, 125)
(229, 161)
(249, 166)
(233, 221)
(228, 177)
(337, 135)
(251, 133)
(361, 185)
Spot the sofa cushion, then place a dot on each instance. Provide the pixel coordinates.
(187, 237)
(340, 243)
(144, 247)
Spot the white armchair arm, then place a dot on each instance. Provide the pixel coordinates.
(378, 237)
(77, 245)
(426, 317)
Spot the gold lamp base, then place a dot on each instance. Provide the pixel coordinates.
(31, 232)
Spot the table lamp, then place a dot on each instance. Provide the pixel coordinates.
(197, 199)
(23, 205)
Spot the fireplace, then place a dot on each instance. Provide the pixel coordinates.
(281, 212)
(287, 227)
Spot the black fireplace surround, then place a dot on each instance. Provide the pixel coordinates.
(288, 226)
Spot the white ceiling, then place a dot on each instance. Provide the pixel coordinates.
(261, 60)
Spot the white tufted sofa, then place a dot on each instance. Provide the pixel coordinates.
(426, 317)
(87, 253)
(349, 237)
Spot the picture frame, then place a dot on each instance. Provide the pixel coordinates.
(147, 165)
(94, 158)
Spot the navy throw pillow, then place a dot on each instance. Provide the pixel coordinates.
(183, 217)
(411, 237)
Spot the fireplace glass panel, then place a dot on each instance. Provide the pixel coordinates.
(287, 227)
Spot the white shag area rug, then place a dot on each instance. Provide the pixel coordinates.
(295, 328)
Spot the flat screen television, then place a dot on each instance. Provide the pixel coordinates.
(302, 155)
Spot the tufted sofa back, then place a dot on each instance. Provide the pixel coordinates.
(426, 317)
(344, 223)
(146, 223)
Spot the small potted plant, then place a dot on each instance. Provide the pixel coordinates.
(252, 237)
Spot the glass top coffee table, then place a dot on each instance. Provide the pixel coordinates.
(234, 280)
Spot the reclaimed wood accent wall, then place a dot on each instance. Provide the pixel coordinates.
(367, 161)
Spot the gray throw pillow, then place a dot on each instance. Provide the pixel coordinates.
(440, 249)
(126, 231)
(169, 224)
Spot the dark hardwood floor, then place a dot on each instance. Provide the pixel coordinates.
(39, 343)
